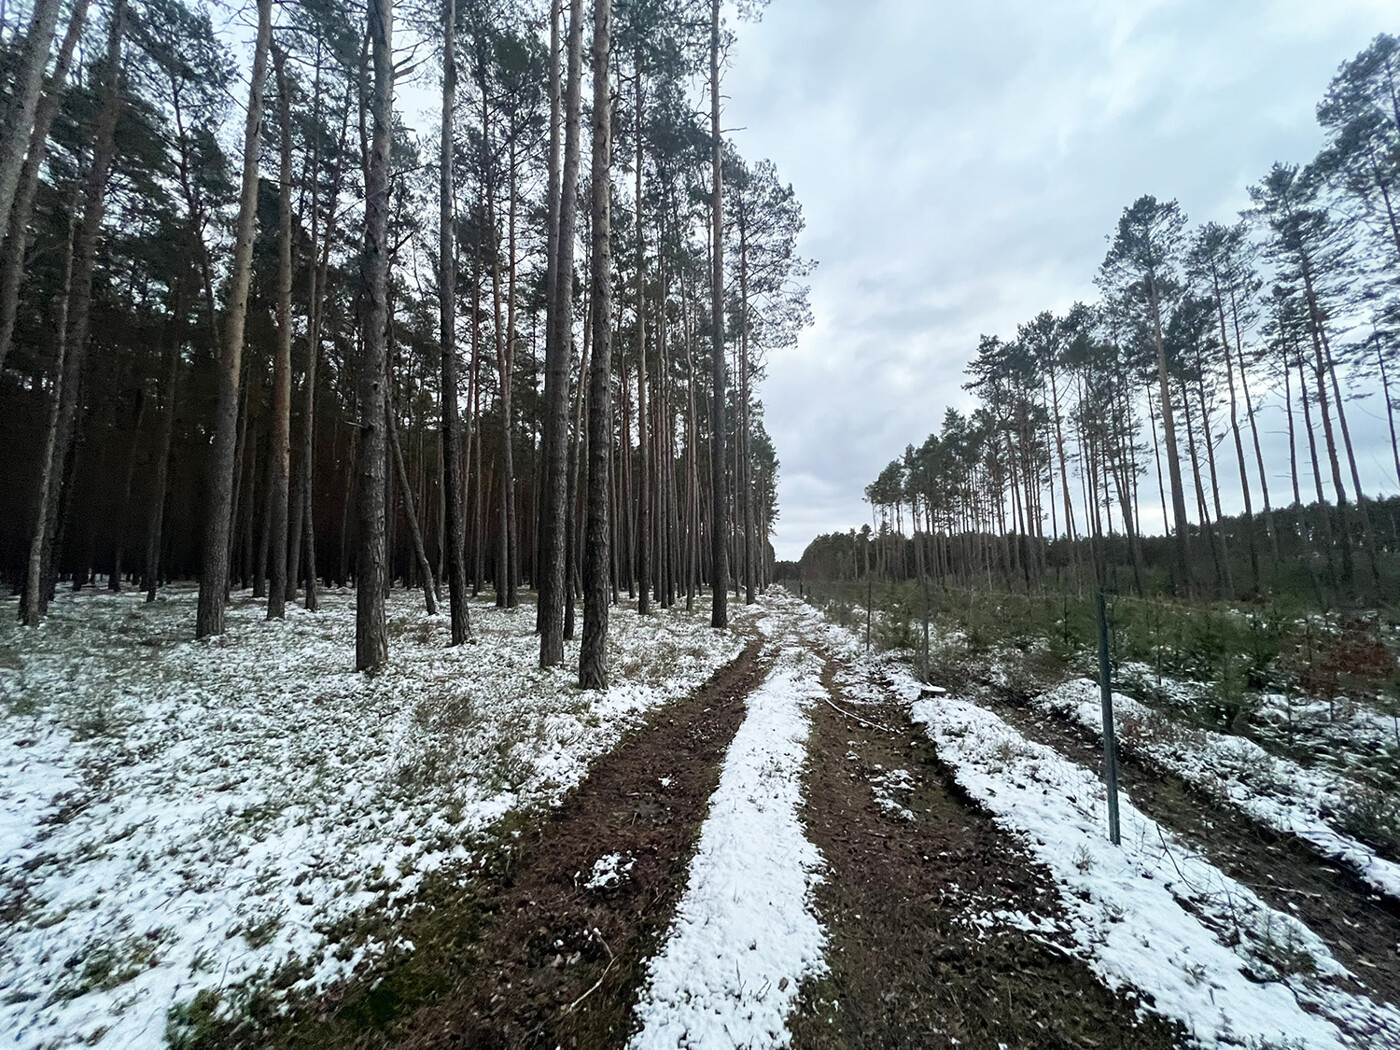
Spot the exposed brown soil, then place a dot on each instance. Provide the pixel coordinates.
(1360, 926)
(908, 968)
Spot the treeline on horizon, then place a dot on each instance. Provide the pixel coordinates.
(1162, 379)
(255, 331)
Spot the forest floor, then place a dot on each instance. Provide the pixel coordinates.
(763, 837)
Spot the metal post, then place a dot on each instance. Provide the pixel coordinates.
(1110, 746)
(926, 612)
(869, 604)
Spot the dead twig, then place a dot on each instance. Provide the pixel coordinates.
(599, 982)
(862, 721)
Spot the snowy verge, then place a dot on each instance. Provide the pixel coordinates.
(1150, 915)
(745, 935)
(1275, 791)
(222, 817)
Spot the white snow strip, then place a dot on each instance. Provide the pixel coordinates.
(745, 934)
(1275, 791)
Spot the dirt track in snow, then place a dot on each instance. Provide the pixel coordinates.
(526, 955)
(942, 930)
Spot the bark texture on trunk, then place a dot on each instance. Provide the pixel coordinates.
(213, 580)
(593, 656)
(371, 637)
(18, 120)
(719, 496)
(22, 208)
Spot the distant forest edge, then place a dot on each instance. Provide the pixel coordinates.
(358, 354)
(1147, 394)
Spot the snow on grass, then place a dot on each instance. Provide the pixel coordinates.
(745, 934)
(1275, 791)
(180, 817)
(1357, 736)
(1150, 915)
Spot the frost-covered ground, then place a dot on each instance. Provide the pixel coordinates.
(1275, 791)
(1151, 914)
(181, 816)
(745, 935)
(1355, 736)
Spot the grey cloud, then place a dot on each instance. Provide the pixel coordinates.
(960, 165)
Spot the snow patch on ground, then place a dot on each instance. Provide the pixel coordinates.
(181, 816)
(892, 790)
(745, 935)
(1275, 791)
(609, 871)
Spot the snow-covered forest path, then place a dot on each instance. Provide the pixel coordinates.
(809, 848)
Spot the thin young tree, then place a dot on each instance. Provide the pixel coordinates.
(280, 452)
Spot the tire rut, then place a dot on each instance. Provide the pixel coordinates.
(909, 964)
(561, 964)
(1358, 924)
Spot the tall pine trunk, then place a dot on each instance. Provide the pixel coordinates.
(33, 599)
(1182, 548)
(280, 452)
(123, 525)
(1256, 577)
(371, 571)
(554, 585)
(644, 547)
(17, 122)
(214, 571)
(719, 491)
(17, 245)
(593, 656)
(79, 296)
(160, 482)
(452, 476)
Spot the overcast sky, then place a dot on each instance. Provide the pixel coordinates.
(960, 164)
